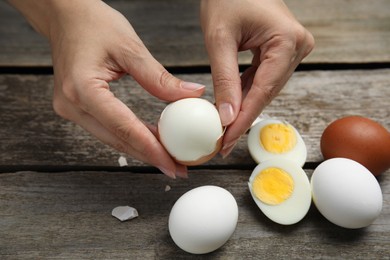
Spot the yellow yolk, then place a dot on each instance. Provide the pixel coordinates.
(273, 186)
(278, 138)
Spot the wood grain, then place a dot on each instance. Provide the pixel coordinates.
(31, 133)
(58, 184)
(68, 215)
(345, 32)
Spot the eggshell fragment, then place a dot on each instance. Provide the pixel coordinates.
(124, 213)
(122, 161)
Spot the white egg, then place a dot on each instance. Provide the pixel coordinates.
(270, 138)
(281, 189)
(190, 130)
(346, 193)
(203, 219)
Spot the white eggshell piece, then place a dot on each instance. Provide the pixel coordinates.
(122, 161)
(298, 154)
(346, 193)
(190, 128)
(295, 208)
(203, 219)
(124, 213)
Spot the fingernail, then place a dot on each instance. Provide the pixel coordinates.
(167, 172)
(226, 113)
(191, 85)
(227, 149)
(181, 171)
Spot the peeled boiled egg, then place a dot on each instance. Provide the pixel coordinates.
(190, 129)
(346, 193)
(281, 189)
(270, 138)
(360, 139)
(203, 219)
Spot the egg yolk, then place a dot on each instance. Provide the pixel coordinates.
(278, 138)
(273, 186)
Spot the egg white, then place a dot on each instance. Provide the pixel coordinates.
(346, 193)
(298, 154)
(190, 129)
(293, 209)
(203, 219)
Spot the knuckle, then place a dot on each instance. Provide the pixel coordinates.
(60, 107)
(70, 93)
(166, 79)
(129, 142)
(124, 132)
(128, 132)
(290, 37)
(133, 52)
(226, 80)
(135, 48)
(302, 39)
(61, 104)
(225, 86)
(310, 43)
(300, 34)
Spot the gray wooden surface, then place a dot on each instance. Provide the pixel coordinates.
(345, 32)
(310, 101)
(58, 184)
(68, 216)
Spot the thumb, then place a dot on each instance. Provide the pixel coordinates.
(155, 79)
(226, 80)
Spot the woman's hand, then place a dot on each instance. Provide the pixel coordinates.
(278, 43)
(93, 44)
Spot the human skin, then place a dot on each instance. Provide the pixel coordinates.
(278, 43)
(92, 44)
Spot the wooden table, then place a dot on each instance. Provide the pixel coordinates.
(58, 184)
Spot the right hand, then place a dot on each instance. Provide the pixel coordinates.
(278, 43)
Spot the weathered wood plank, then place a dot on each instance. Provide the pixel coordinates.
(68, 215)
(345, 32)
(31, 134)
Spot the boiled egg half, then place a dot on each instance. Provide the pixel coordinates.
(272, 138)
(281, 189)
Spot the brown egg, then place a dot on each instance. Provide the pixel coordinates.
(360, 139)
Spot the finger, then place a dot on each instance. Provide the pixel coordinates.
(153, 77)
(247, 80)
(270, 77)
(277, 61)
(181, 171)
(226, 78)
(114, 123)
